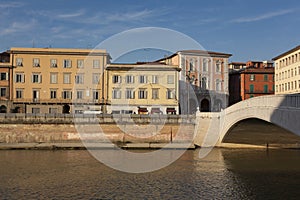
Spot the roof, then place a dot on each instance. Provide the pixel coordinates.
(202, 52)
(151, 66)
(59, 51)
(237, 63)
(287, 53)
(251, 70)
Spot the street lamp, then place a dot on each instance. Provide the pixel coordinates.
(190, 79)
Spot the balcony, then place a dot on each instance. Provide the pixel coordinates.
(259, 92)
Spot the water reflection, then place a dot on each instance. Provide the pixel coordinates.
(223, 174)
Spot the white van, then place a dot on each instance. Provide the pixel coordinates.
(92, 112)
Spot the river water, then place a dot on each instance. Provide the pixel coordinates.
(223, 174)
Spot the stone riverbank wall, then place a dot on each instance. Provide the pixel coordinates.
(47, 128)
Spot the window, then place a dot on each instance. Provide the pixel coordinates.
(67, 94)
(192, 65)
(79, 78)
(67, 78)
(79, 63)
(4, 76)
(205, 64)
(266, 89)
(36, 62)
(53, 78)
(170, 79)
(36, 78)
(143, 79)
(251, 88)
(155, 79)
(35, 95)
(53, 110)
(266, 77)
(204, 85)
(96, 63)
(116, 93)
(19, 62)
(170, 93)
(3, 92)
(53, 94)
(252, 77)
(79, 94)
(155, 93)
(218, 85)
(95, 94)
(129, 93)
(129, 79)
(19, 93)
(96, 78)
(53, 63)
(142, 94)
(116, 79)
(67, 63)
(35, 110)
(218, 66)
(20, 78)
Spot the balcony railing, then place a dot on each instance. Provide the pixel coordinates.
(259, 92)
(62, 101)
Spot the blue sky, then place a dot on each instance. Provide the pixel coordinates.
(250, 30)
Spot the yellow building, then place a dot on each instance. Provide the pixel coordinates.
(287, 72)
(144, 88)
(51, 80)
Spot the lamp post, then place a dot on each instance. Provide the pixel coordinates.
(189, 81)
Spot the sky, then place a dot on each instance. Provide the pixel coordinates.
(249, 30)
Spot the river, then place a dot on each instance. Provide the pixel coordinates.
(223, 174)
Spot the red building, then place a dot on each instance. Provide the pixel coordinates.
(256, 79)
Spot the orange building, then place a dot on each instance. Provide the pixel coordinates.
(256, 79)
(5, 94)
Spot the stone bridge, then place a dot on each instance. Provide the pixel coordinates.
(281, 110)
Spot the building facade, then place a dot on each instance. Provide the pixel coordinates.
(142, 88)
(203, 80)
(287, 72)
(49, 80)
(5, 72)
(256, 79)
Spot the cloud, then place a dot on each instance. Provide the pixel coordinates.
(263, 16)
(17, 27)
(101, 18)
(71, 15)
(11, 5)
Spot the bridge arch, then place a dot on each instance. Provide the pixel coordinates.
(280, 110)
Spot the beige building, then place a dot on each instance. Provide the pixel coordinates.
(50, 80)
(142, 88)
(287, 72)
(203, 79)
(236, 66)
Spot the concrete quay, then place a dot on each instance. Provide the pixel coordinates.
(81, 146)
